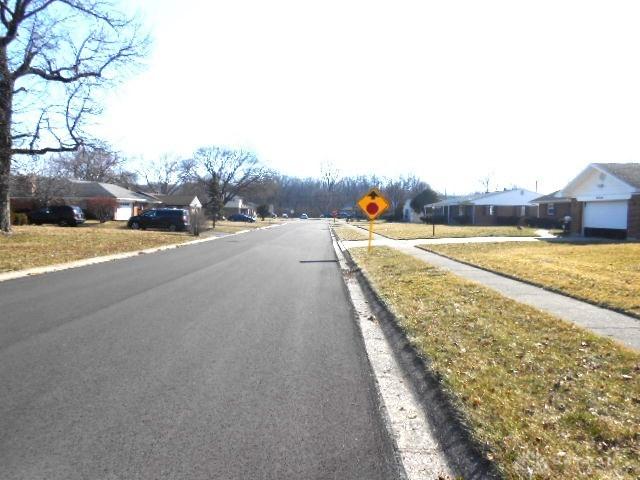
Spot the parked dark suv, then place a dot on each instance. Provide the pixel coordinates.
(69, 215)
(169, 218)
(240, 217)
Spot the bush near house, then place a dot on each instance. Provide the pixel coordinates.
(462, 219)
(543, 222)
(19, 218)
(24, 205)
(100, 208)
(508, 221)
(438, 219)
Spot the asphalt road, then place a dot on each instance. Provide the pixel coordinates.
(232, 359)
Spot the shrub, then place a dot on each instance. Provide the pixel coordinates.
(100, 208)
(504, 221)
(19, 219)
(438, 219)
(462, 219)
(24, 205)
(543, 222)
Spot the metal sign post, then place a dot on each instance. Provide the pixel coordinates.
(373, 204)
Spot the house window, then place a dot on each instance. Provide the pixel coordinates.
(523, 211)
(460, 210)
(551, 209)
(491, 210)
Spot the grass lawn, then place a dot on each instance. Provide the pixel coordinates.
(37, 246)
(411, 231)
(607, 274)
(112, 224)
(547, 399)
(347, 233)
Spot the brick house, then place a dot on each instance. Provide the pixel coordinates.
(496, 208)
(553, 207)
(605, 200)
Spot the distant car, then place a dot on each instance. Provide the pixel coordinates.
(63, 215)
(304, 216)
(284, 215)
(241, 217)
(173, 219)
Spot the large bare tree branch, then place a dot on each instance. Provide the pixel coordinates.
(56, 53)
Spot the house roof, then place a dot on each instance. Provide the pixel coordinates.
(177, 199)
(83, 188)
(457, 200)
(627, 172)
(555, 197)
(509, 197)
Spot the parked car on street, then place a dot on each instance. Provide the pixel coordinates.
(304, 216)
(241, 217)
(173, 219)
(63, 215)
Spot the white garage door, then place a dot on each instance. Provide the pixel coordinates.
(123, 212)
(606, 215)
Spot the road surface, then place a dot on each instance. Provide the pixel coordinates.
(232, 359)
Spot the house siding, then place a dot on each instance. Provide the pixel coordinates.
(561, 210)
(511, 212)
(633, 220)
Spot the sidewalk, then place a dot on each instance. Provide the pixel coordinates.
(623, 328)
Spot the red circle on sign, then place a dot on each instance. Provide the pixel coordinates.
(372, 208)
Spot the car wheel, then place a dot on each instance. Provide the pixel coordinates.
(172, 228)
(135, 225)
(62, 223)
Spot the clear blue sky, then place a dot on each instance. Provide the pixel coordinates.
(449, 91)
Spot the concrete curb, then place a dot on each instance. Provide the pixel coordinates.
(117, 256)
(463, 453)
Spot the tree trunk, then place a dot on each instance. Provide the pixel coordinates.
(6, 99)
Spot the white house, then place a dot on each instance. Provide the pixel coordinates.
(190, 202)
(238, 205)
(606, 200)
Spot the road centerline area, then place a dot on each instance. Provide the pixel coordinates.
(218, 360)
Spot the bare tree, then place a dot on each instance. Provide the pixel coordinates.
(486, 181)
(97, 164)
(55, 55)
(39, 183)
(167, 174)
(399, 190)
(329, 176)
(227, 173)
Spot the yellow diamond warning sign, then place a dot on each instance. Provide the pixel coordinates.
(373, 204)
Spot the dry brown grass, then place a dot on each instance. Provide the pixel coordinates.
(412, 231)
(112, 224)
(547, 399)
(37, 246)
(606, 274)
(348, 233)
